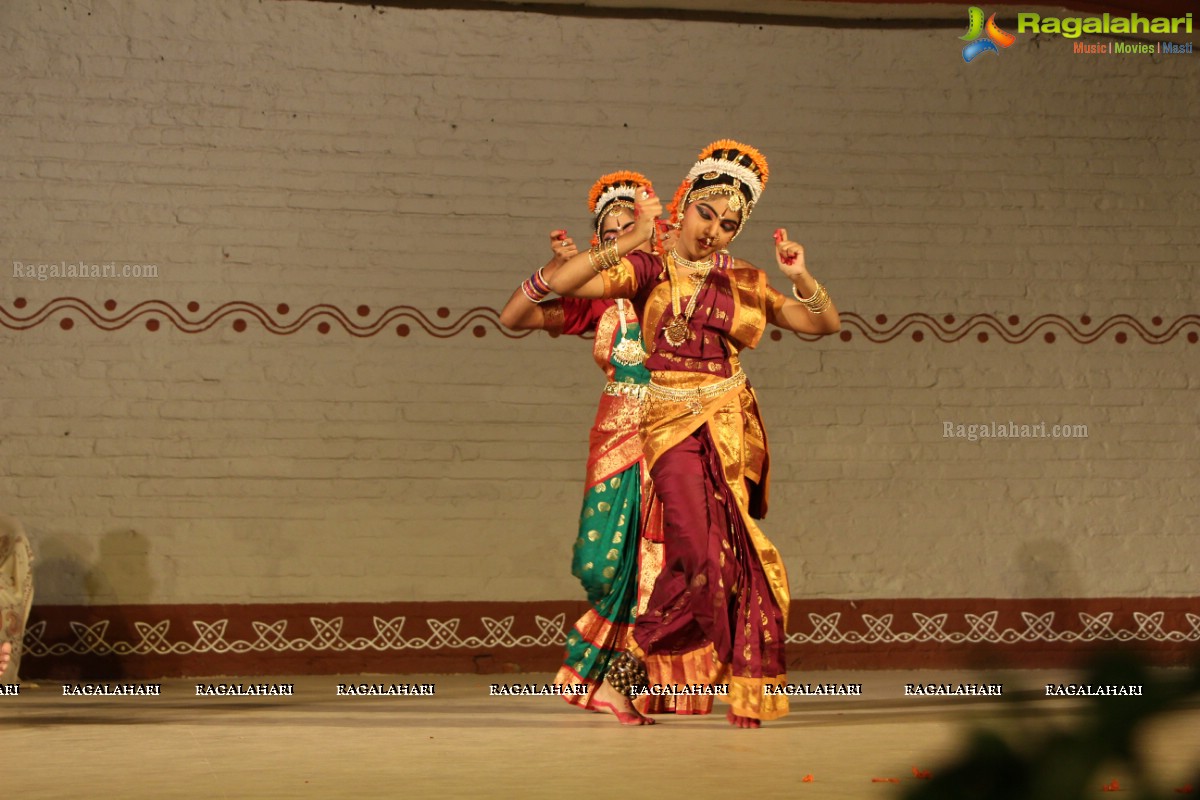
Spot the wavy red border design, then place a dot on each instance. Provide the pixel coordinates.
(237, 314)
(364, 322)
(1012, 330)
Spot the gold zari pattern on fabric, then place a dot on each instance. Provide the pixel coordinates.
(750, 309)
(650, 565)
(736, 428)
(606, 335)
(614, 444)
(594, 628)
(553, 317)
(695, 667)
(748, 697)
(619, 281)
(694, 397)
(621, 448)
(754, 304)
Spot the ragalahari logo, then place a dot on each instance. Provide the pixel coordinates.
(992, 37)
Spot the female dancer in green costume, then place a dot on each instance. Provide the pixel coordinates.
(618, 553)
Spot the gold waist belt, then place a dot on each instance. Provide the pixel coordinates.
(615, 389)
(695, 396)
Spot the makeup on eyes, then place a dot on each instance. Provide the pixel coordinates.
(613, 233)
(707, 212)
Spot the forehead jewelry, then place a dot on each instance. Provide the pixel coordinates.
(614, 209)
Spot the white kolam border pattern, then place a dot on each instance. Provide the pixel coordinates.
(92, 638)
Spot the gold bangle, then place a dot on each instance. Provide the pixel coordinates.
(815, 304)
(604, 256)
(611, 252)
(820, 302)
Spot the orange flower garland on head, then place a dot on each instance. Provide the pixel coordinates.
(614, 186)
(675, 208)
(732, 165)
(758, 162)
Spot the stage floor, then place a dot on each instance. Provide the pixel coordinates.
(464, 742)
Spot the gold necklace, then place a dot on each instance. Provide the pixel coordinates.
(704, 264)
(628, 351)
(677, 332)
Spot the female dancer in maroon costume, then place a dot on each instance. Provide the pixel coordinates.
(718, 611)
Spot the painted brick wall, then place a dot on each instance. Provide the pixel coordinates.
(388, 174)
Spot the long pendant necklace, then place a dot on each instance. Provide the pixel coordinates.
(628, 351)
(677, 332)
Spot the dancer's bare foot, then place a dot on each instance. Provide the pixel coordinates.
(608, 699)
(5, 655)
(739, 721)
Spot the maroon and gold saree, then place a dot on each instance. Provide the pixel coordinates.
(718, 612)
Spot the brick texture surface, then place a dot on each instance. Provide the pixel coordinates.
(313, 154)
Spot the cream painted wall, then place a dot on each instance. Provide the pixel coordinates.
(307, 154)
